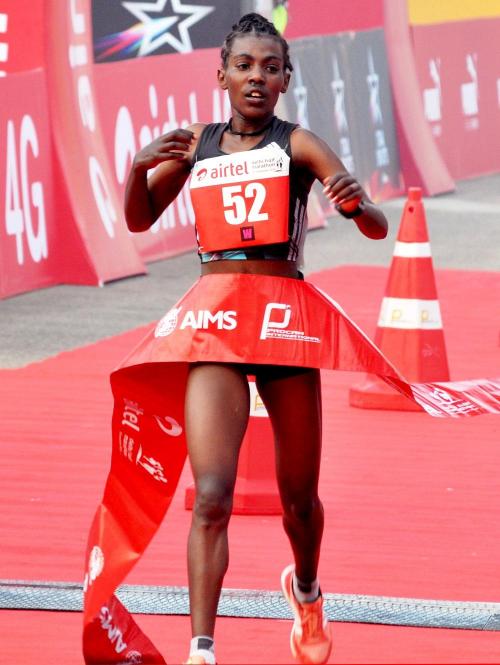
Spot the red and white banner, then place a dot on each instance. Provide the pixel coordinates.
(459, 73)
(226, 318)
(79, 144)
(28, 233)
(327, 17)
(22, 38)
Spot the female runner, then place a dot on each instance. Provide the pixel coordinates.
(255, 69)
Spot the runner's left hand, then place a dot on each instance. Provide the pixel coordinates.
(343, 188)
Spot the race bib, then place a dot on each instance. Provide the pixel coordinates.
(241, 200)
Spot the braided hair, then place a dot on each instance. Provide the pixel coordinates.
(257, 25)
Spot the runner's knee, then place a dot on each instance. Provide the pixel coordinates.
(214, 501)
(302, 508)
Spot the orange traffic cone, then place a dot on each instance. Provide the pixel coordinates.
(409, 330)
(256, 491)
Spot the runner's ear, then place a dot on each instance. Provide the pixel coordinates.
(221, 78)
(284, 87)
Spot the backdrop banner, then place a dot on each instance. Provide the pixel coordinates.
(21, 37)
(340, 90)
(79, 144)
(326, 17)
(459, 74)
(125, 30)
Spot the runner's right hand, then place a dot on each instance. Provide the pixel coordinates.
(169, 146)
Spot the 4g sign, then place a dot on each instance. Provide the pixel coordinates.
(26, 186)
(21, 195)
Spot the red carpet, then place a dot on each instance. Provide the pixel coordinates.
(412, 503)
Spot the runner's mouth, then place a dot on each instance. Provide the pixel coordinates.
(255, 94)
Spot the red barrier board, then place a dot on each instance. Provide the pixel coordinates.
(27, 226)
(79, 145)
(327, 17)
(457, 65)
(21, 35)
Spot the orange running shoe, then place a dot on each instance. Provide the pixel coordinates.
(310, 639)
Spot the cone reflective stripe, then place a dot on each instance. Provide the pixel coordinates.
(412, 250)
(256, 490)
(409, 328)
(410, 314)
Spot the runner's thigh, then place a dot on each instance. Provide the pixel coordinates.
(293, 400)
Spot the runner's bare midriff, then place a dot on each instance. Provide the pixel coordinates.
(280, 268)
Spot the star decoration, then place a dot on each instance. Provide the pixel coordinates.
(157, 31)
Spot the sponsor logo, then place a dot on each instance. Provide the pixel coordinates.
(95, 567)
(133, 452)
(168, 323)
(223, 169)
(300, 95)
(169, 425)
(373, 81)
(338, 89)
(114, 634)
(131, 414)
(268, 162)
(276, 162)
(247, 233)
(202, 319)
(275, 324)
(433, 97)
(4, 46)
(470, 93)
(133, 658)
(452, 404)
(257, 406)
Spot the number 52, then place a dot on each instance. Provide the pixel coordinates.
(235, 203)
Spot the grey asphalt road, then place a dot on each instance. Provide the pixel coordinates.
(464, 229)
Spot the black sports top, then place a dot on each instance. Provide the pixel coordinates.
(278, 132)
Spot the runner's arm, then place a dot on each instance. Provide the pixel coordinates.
(170, 156)
(343, 190)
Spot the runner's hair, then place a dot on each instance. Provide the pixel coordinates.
(257, 25)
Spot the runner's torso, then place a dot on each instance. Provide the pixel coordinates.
(261, 185)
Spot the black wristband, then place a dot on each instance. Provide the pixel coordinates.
(349, 214)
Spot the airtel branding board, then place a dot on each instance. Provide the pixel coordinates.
(459, 74)
(27, 226)
(327, 17)
(21, 36)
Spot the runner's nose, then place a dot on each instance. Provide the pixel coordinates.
(256, 75)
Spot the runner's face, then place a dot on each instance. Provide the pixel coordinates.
(254, 76)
